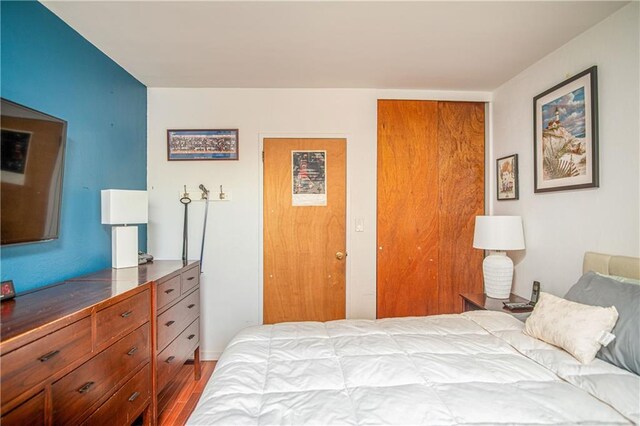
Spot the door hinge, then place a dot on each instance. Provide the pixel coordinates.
(263, 156)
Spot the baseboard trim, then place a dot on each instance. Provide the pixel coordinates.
(209, 355)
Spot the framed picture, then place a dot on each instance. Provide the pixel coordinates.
(220, 144)
(507, 176)
(565, 123)
(308, 178)
(7, 291)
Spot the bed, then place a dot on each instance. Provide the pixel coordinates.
(471, 368)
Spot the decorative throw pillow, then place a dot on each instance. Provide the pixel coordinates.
(601, 290)
(576, 328)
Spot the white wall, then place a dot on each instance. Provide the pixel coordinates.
(561, 226)
(231, 285)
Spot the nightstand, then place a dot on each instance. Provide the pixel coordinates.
(480, 301)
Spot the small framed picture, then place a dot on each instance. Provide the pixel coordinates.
(507, 176)
(565, 134)
(217, 144)
(308, 178)
(7, 290)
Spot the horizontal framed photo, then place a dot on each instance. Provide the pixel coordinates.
(507, 177)
(565, 123)
(215, 144)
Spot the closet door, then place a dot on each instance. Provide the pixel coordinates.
(430, 188)
(408, 232)
(461, 195)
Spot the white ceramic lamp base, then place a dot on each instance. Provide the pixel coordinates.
(124, 246)
(497, 269)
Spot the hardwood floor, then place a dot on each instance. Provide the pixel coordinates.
(184, 394)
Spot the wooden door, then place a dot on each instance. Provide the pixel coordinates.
(461, 194)
(407, 266)
(430, 188)
(304, 273)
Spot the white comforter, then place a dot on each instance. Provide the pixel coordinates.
(472, 368)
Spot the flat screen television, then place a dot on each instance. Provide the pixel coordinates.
(31, 168)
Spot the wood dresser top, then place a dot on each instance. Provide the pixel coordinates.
(68, 301)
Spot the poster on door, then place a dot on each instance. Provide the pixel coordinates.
(309, 178)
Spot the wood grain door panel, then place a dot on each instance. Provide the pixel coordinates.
(430, 188)
(407, 265)
(461, 177)
(303, 279)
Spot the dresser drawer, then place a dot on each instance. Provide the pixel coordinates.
(168, 291)
(127, 403)
(29, 413)
(123, 317)
(175, 319)
(190, 278)
(76, 392)
(173, 357)
(31, 364)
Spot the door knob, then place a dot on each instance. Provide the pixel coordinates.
(340, 255)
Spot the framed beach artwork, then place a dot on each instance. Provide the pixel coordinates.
(565, 122)
(215, 144)
(507, 176)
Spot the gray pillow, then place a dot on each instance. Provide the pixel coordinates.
(597, 290)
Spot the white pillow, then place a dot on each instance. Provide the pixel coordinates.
(576, 328)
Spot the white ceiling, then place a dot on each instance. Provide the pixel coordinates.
(413, 45)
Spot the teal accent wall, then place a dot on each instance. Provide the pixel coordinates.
(48, 66)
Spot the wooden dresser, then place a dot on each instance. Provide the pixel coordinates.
(98, 349)
(177, 315)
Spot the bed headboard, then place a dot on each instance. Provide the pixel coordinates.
(622, 266)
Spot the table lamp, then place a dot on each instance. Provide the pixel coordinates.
(124, 207)
(498, 234)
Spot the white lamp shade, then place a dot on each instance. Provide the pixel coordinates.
(123, 207)
(498, 233)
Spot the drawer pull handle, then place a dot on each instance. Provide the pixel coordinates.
(47, 357)
(191, 336)
(134, 396)
(85, 388)
(132, 350)
(126, 314)
(170, 359)
(191, 306)
(169, 290)
(190, 278)
(170, 323)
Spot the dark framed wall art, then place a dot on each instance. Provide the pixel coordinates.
(565, 123)
(507, 177)
(214, 144)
